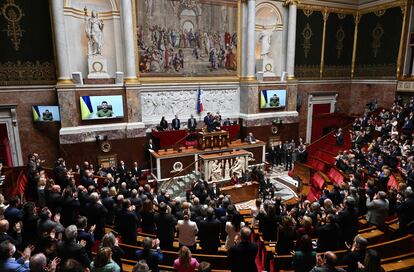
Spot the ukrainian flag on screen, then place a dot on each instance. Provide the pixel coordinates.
(263, 99)
(36, 113)
(86, 107)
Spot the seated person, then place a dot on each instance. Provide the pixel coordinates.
(105, 110)
(234, 179)
(163, 124)
(47, 116)
(250, 138)
(216, 126)
(274, 101)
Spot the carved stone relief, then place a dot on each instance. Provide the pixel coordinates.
(156, 104)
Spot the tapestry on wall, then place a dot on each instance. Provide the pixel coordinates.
(378, 43)
(26, 47)
(338, 45)
(187, 37)
(309, 28)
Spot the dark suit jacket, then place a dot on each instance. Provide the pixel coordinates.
(164, 124)
(13, 215)
(96, 214)
(348, 222)
(328, 237)
(152, 258)
(242, 257)
(71, 250)
(165, 228)
(136, 172)
(89, 239)
(209, 234)
(192, 124)
(176, 124)
(17, 241)
(126, 223)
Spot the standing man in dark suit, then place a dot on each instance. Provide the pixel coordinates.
(165, 223)
(86, 235)
(279, 153)
(242, 256)
(192, 124)
(96, 214)
(339, 135)
(176, 123)
(136, 171)
(70, 249)
(122, 170)
(209, 233)
(126, 223)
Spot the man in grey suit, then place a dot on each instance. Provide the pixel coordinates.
(377, 209)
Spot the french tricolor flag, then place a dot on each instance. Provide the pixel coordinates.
(199, 101)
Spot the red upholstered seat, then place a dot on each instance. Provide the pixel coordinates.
(313, 195)
(317, 164)
(336, 176)
(317, 182)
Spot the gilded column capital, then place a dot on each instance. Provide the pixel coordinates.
(291, 2)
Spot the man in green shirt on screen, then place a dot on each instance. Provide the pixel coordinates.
(104, 111)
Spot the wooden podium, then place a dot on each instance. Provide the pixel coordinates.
(213, 139)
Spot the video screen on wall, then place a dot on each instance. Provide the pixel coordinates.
(101, 107)
(272, 99)
(46, 113)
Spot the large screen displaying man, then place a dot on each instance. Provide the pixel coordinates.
(100, 107)
(271, 99)
(45, 113)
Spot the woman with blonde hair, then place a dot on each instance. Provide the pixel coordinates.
(103, 261)
(184, 262)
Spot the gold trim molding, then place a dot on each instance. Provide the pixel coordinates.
(353, 11)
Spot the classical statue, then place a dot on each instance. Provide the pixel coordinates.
(94, 32)
(148, 7)
(216, 171)
(237, 167)
(265, 38)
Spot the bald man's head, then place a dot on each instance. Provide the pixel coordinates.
(330, 258)
(245, 234)
(4, 225)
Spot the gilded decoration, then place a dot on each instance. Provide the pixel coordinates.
(187, 38)
(26, 73)
(308, 12)
(380, 12)
(376, 34)
(13, 15)
(376, 70)
(341, 16)
(307, 35)
(337, 71)
(340, 36)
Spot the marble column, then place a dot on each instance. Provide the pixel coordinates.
(63, 71)
(250, 59)
(290, 61)
(129, 48)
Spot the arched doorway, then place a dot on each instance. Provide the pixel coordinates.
(10, 149)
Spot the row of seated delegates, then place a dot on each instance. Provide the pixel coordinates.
(287, 153)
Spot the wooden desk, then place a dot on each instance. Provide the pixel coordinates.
(242, 193)
(213, 139)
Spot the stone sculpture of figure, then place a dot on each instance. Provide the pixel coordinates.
(216, 171)
(94, 32)
(265, 38)
(237, 167)
(149, 6)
